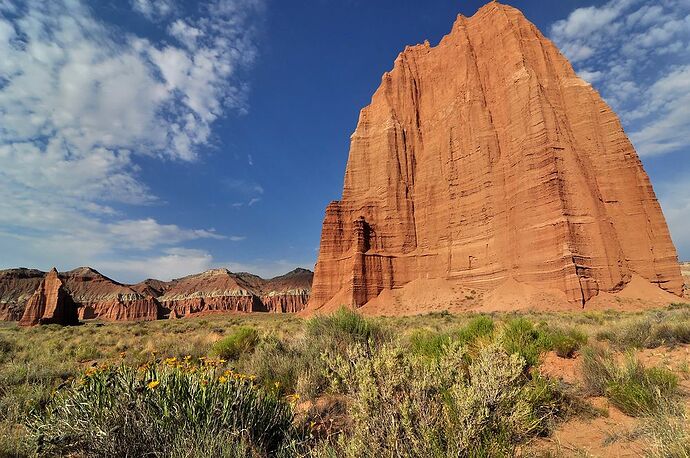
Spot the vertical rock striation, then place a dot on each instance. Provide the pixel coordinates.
(484, 160)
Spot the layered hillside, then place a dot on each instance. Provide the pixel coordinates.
(485, 162)
(217, 290)
(220, 290)
(97, 296)
(287, 293)
(16, 287)
(35, 297)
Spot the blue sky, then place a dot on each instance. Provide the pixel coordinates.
(157, 138)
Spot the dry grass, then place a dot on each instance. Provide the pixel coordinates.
(288, 353)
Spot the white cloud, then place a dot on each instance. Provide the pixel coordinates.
(179, 262)
(80, 102)
(249, 191)
(154, 10)
(590, 76)
(173, 263)
(636, 52)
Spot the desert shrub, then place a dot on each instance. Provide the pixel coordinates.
(565, 342)
(641, 391)
(476, 328)
(279, 366)
(521, 337)
(242, 340)
(400, 405)
(164, 410)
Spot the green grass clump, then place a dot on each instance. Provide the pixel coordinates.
(633, 388)
(565, 342)
(163, 410)
(428, 343)
(641, 391)
(521, 337)
(663, 329)
(243, 340)
(670, 334)
(432, 344)
(481, 326)
(344, 327)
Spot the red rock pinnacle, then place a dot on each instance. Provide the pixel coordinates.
(484, 160)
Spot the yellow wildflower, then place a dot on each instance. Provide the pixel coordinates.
(222, 379)
(153, 383)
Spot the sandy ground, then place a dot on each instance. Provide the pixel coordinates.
(423, 296)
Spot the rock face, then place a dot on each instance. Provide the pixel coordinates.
(486, 160)
(16, 287)
(49, 303)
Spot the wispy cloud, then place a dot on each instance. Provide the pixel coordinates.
(637, 53)
(248, 191)
(80, 102)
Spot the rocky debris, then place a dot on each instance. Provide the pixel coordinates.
(486, 160)
(685, 271)
(16, 287)
(49, 303)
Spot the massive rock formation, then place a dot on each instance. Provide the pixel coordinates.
(49, 303)
(486, 161)
(32, 295)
